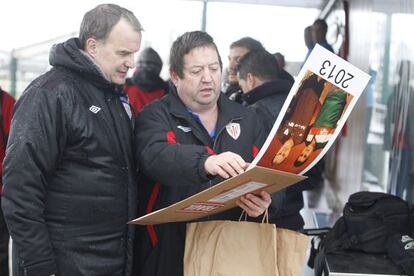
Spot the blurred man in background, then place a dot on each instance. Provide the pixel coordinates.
(319, 30)
(282, 64)
(146, 84)
(238, 49)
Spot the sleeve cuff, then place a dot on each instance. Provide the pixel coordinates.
(201, 171)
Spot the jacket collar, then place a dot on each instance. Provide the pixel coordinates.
(228, 112)
(267, 89)
(70, 56)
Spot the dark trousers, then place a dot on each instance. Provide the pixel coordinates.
(4, 245)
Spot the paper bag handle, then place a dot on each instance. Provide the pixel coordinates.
(265, 216)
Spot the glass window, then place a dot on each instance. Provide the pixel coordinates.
(280, 29)
(390, 138)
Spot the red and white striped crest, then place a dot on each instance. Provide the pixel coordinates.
(233, 129)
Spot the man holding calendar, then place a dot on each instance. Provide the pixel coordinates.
(189, 140)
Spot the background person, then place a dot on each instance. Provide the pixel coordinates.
(307, 37)
(319, 30)
(238, 49)
(6, 111)
(146, 85)
(263, 88)
(282, 64)
(399, 134)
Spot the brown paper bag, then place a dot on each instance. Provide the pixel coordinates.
(291, 251)
(230, 248)
(243, 248)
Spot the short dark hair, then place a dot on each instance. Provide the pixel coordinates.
(322, 24)
(261, 64)
(249, 43)
(307, 34)
(99, 21)
(280, 59)
(184, 44)
(149, 60)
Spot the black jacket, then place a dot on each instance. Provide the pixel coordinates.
(286, 76)
(267, 100)
(172, 148)
(234, 93)
(69, 173)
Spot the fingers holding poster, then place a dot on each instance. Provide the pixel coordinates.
(313, 114)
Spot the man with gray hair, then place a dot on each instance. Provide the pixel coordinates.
(69, 175)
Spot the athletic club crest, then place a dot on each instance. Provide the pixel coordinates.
(233, 129)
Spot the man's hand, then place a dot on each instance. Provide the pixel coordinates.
(225, 164)
(255, 205)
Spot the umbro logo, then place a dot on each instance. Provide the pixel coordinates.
(185, 129)
(94, 109)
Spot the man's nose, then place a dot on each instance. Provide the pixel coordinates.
(233, 65)
(130, 61)
(207, 75)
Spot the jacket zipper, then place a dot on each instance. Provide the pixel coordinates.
(218, 134)
(214, 145)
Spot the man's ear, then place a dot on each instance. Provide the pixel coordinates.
(174, 77)
(251, 80)
(91, 46)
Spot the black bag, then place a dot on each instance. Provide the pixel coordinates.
(368, 220)
(400, 249)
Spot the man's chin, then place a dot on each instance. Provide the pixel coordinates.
(119, 81)
(207, 100)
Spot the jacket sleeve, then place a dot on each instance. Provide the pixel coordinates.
(32, 153)
(160, 157)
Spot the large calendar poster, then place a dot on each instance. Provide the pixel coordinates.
(314, 113)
